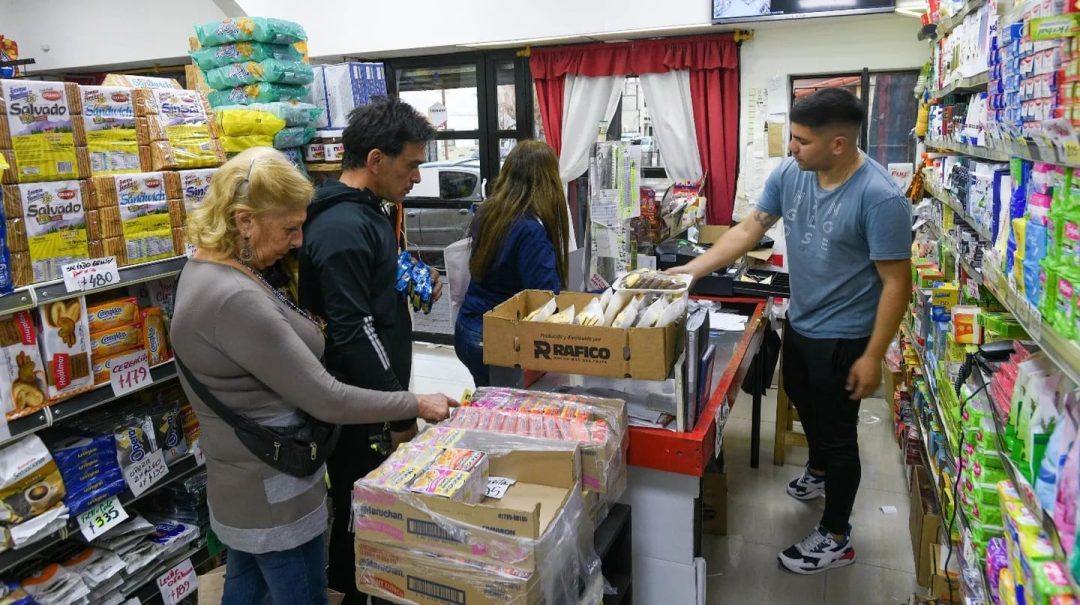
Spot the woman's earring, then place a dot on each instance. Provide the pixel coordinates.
(246, 253)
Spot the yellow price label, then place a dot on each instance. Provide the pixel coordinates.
(1072, 151)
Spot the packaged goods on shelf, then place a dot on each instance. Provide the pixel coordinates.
(52, 231)
(111, 137)
(533, 545)
(31, 492)
(129, 81)
(112, 314)
(262, 92)
(239, 121)
(194, 185)
(88, 464)
(56, 582)
(276, 71)
(41, 133)
(136, 206)
(317, 96)
(233, 145)
(249, 29)
(100, 569)
(294, 113)
(241, 52)
(344, 87)
(178, 128)
(23, 375)
(113, 341)
(65, 347)
(293, 137)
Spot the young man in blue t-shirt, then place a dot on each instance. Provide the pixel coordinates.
(848, 233)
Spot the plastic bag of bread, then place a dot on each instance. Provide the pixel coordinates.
(626, 317)
(566, 316)
(672, 313)
(616, 303)
(591, 315)
(652, 313)
(544, 312)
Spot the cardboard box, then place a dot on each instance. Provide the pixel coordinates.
(502, 532)
(924, 524)
(641, 353)
(427, 579)
(212, 586)
(944, 584)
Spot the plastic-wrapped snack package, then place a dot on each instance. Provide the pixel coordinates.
(90, 470)
(169, 430)
(154, 337)
(12, 593)
(251, 72)
(55, 226)
(21, 370)
(396, 477)
(40, 124)
(55, 584)
(233, 145)
(135, 439)
(489, 552)
(294, 136)
(31, 492)
(293, 112)
(96, 566)
(250, 29)
(240, 52)
(261, 92)
(242, 122)
(997, 558)
(109, 121)
(112, 314)
(461, 486)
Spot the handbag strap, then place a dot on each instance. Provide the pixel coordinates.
(230, 417)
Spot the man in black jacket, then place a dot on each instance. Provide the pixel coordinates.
(348, 273)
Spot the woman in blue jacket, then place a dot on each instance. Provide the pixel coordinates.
(520, 238)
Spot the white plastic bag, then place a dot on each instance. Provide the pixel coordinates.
(457, 257)
(616, 303)
(672, 313)
(544, 312)
(591, 315)
(566, 316)
(652, 313)
(626, 317)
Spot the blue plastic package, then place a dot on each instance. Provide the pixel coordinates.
(1036, 242)
(1057, 448)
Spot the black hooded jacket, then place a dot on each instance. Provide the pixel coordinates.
(348, 273)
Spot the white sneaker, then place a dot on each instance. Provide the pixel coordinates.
(806, 486)
(817, 552)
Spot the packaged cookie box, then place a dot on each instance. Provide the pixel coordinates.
(41, 135)
(109, 122)
(135, 207)
(50, 228)
(21, 371)
(65, 347)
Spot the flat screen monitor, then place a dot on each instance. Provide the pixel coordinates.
(740, 11)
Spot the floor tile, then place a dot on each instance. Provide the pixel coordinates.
(744, 572)
(852, 584)
(882, 539)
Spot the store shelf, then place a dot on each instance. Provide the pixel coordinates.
(975, 274)
(178, 470)
(148, 594)
(331, 167)
(1004, 153)
(976, 83)
(1063, 352)
(62, 410)
(32, 296)
(948, 24)
(946, 198)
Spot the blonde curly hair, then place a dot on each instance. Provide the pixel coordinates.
(260, 180)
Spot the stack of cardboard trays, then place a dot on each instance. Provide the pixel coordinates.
(528, 539)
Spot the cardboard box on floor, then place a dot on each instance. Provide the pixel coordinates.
(426, 579)
(502, 532)
(924, 522)
(944, 584)
(212, 587)
(641, 353)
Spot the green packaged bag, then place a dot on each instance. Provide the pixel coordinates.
(249, 29)
(241, 52)
(293, 137)
(263, 92)
(270, 70)
(1064, 309)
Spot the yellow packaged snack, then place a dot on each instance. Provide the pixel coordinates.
(115, 340)
(109, 121)
(55, 223)
(113, 314)
(40, 126)
(154, 337)
(143, 214)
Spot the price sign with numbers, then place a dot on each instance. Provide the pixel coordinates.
(178, 583)
(130, 372)
(102, 518)
(90, 274)
(146, 472)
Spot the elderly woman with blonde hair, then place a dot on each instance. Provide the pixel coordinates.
(248, 355)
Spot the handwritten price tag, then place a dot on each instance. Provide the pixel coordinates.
(101, 518)
(146, 472)
(90, 274)
(130, 373)
(497, 486)
(178, 583)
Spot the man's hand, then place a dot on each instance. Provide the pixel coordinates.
(436, 285)
(435, 408)
(864, 377)
(399, 437)
(683, 270)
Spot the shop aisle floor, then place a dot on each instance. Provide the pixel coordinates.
(763, 519)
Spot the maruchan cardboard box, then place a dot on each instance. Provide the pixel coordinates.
(415, 576)
(640, 353)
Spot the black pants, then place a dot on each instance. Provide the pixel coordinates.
(352, 459)
(815, 378)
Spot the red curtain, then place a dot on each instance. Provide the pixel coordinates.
(713, 62)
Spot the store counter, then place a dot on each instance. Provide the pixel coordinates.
(664, 481)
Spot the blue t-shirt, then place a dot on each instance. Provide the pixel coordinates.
(526, 261)
(833, 238)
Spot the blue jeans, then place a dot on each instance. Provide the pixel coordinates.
(290, 577)
(469, 346)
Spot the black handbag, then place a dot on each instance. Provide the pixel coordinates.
(299, 451)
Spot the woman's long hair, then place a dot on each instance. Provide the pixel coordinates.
(528, 184)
